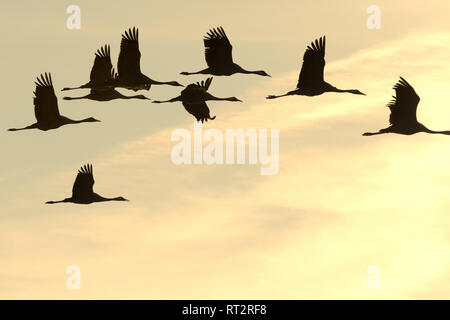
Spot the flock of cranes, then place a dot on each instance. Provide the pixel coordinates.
(218, 55)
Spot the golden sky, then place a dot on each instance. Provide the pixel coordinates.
(339, 203)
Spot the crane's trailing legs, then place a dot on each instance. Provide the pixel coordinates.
(33, 126)
(205, 71)
(171, 100)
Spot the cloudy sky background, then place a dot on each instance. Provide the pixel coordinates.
(340, 202)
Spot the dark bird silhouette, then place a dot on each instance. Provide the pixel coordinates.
(46, 107)
(83, 192)
(219, 57)
(129, 65)
(193, 98)
(403, 108)
(102, 72)
(310, 81)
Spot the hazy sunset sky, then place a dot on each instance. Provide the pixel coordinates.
(339, 203)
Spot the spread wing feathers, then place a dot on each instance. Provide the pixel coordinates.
(101, 70)
(83, 185)
(311, 73)
(45, 102)
(114, 74)
(197, 87)
(199, 110)
(128, 64)
(205, 83)
(404, 105)
(217, 48)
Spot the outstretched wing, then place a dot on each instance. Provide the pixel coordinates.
(205, 83)
(129, 65)
(404, 105)
(217, 48)
(102, 68)
(311, 73)
(83, 185)
(45, 102)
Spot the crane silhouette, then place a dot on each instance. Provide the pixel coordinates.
(129, 65)
(403, 108)
(102, 72)
(219, 57)
(193, 98)
(83, 192)
(46, 107)
(310, 81)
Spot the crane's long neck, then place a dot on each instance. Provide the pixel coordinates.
(60, 201)
(446, 132)
(80, 87)
(204, 71)
(341, 90)
(33, 126)
(331, 88)
(65, 120)
(250, 72)
(77, 98)
(79, 121)
(99, 198)
(171, 100)
(242, 70)
(149, 81)
(223, 99)
(372, 133)
(381, 131)
(282, 95)
(239, 69)
(154, 82)
(113, 199)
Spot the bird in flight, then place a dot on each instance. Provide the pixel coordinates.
(403, 108)
(219, 58)
(129, 65)
(83, 192)
(193, 98)
(102, 72)
(310, 81)
(46, 107)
